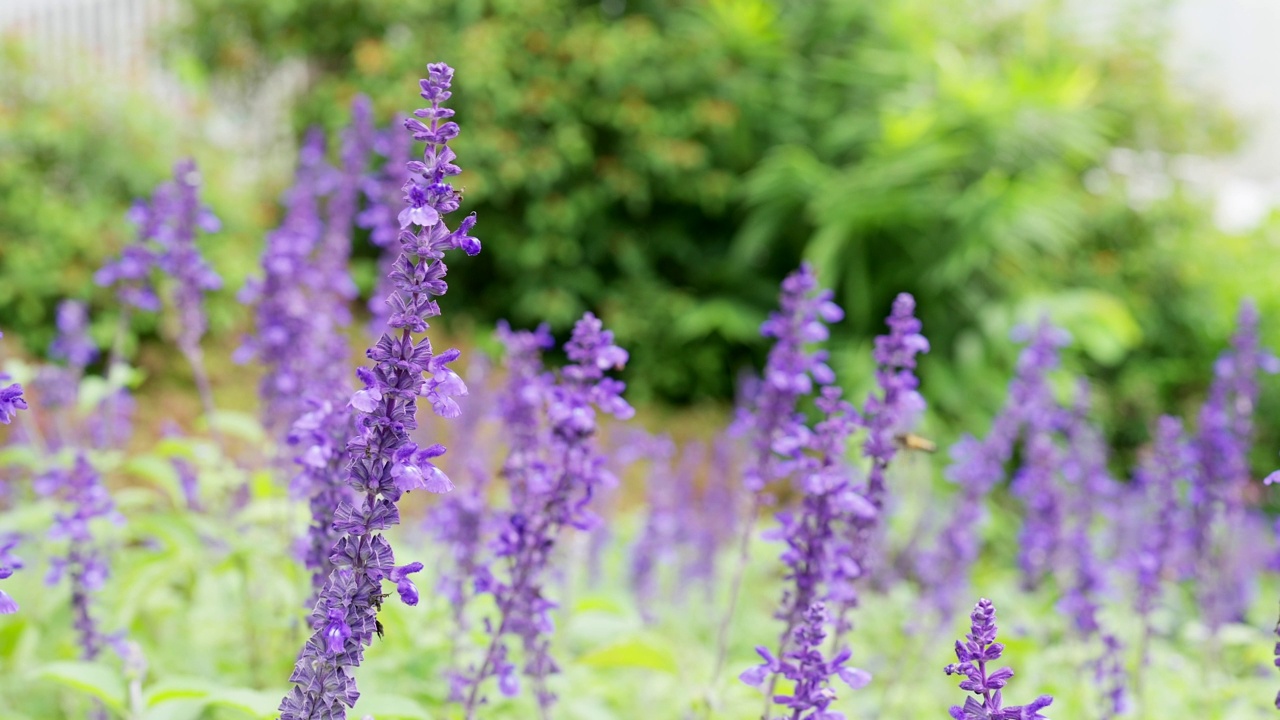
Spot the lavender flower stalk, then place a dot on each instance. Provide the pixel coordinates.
(557, 486)
(167, 227)
(809, 669)
(887, 416)
(11, 400)
(1085, 468)
(769, 416)
(1170, 465)
(979, 465)
(972, 656)
(82, 500)
(1221, 559)
(384, 462)
(9, 564)
(819, 554)
(899, 406)
(292, 325)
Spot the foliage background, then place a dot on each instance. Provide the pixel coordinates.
(666, 162)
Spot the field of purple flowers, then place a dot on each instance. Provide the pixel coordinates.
(528, 548)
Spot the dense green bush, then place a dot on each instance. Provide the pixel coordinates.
(667, 165)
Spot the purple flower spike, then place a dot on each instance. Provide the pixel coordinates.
(9, 564)
(809, 669)
(556, 471)
(383, 463)
(899, 406)
(778, 432)
(72, 344)
(972, 656)
(1220, 557)
(11, 400)
(82, 499)
(979, 465)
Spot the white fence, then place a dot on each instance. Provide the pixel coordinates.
(92, 41)
(114, 45)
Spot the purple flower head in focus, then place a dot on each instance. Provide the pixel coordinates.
(809, 669)
(987, 685)
(383, 461)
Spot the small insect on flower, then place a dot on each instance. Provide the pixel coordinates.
(911, 441)
(378, 628)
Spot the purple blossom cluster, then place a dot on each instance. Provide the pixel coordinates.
(384, 463)
(11, 400)
(82, 499)
(973, 655)
(167, 227)
(809, 669)
(556, 483)
(978, 466)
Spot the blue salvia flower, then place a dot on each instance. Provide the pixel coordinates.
(82, 499)
(979, 465)
(777, 431)
(1276, 653)
(768, 410)
(987, 685)
(819, 555)
(888, 415)
(384, 462)
(556, 489)
(11, 400)
(462, 521)
(9, 564)
(167, 229)
(809, 669)
(300, 304)
(289, 305)
(1085, 469)
(72, 344)
(655, 544)
(1222, 562)
(1170, 465)
(520, 403)
(383, 193)
(899, 405)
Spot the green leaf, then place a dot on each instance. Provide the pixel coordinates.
(386, 707)
(632, 653)
(237, 424)
(254, 703)
(99, 680)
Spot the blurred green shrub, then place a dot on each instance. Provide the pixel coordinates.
(666, 165)
(666, 162)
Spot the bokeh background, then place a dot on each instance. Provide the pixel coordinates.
(665, 162)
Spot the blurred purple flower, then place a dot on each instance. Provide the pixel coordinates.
(81, 499)
(558, 480)
(809, 669)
